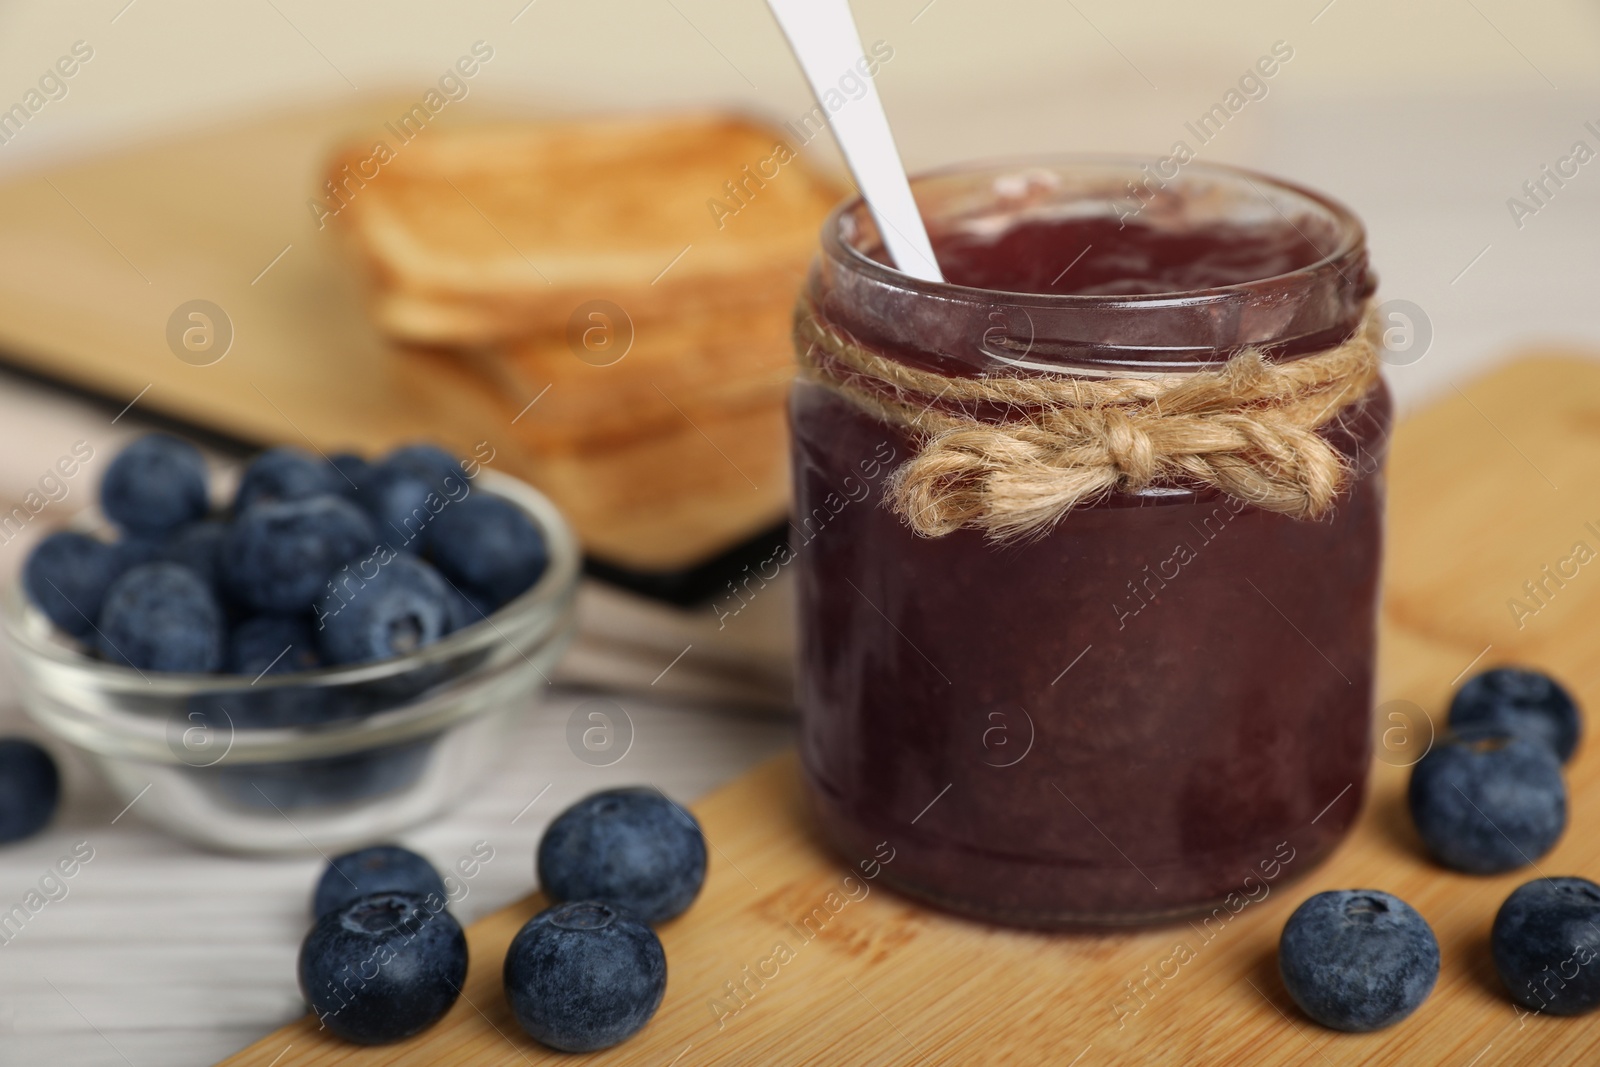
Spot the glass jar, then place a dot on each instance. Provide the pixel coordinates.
(1163, 703)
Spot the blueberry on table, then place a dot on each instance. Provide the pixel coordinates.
(489, 545)
(272, 644)
(1526, 703)
(30, 788)
(1545, 941)
(379, 869)
(383, 968)
(584, 975)
(632, 847)
(402, 608)
(1357, 959)
(1486, 800)
(161, 617)
(156, 484)
(67, 575)
(283, 474)
(278, 557)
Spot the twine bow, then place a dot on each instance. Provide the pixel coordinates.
(1248, 428)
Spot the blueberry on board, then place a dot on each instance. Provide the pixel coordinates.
(383, 968)
(161, 617)
(584, 975)
(379, 869)
(1357, 959)
(1526, 703)
(154, 485)
(30, 788)
(402, 608)
(198, 546)
(283, 474)
(277, 557)
(67, 575)
(272, 644)
(489, 545)
(1545, 941)
(632, 847)
(350, 473)
(1486, 800)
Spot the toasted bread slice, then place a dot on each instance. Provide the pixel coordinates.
(641, 504)
(496, 233)
(686, 433)
(689, 369)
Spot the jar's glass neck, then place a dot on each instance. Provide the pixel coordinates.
(1012, 224)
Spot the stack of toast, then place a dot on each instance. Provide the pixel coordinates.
(627, 286)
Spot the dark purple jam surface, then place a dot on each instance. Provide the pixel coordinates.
(1108, 257)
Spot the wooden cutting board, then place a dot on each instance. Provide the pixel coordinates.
(97, 256)
(1486, 488)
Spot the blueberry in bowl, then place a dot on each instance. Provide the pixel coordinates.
(281, 658)
(404, 606)
(161, 617)
(155, 485)
(284, 474)
(277, 556)
(260, 646)
(406, 491)
(67, 576)
(488, 547)
(318, 787)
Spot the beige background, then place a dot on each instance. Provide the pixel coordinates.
(167, 61)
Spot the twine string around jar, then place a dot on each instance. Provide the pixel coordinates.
(1248, 428)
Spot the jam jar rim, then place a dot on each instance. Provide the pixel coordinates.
(1351, 247)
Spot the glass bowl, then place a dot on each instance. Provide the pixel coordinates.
(313, 760)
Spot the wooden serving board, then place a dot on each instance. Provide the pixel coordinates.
(1486, 488)
(96, 257)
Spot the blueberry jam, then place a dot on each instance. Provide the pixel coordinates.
(1105, 257)
(1161, 702)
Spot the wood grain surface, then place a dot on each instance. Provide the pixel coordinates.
(1486, 489)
